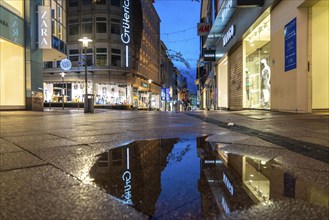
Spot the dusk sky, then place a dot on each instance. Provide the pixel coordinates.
(178, 30)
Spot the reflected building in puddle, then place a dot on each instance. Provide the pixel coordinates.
(268, 181)
(192, 179)
(132, 173)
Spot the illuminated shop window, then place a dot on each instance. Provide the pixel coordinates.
(257, 74)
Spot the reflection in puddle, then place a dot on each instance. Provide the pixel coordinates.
(186, 179)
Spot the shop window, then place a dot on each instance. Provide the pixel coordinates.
(101, 56)
(87, 26)
(74, 27)
(101, 25)
(115, 3)
(115, 26)
(257, 74)
(116, 57)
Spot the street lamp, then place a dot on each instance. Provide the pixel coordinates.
(85, 41)
(62, 75)
(150, 96)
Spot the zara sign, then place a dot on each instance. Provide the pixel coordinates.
(44, 27)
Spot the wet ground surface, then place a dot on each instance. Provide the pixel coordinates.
(50, 163)
(194, 179)
(313, 150)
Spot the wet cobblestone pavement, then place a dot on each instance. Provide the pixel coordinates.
(46, 159)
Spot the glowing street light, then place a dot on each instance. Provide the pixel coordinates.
(85, 41)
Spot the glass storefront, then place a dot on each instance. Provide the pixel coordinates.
(12, 82)
(254, 178)
(257, 71)
(320, 55)
(12, 58)
(113, 94)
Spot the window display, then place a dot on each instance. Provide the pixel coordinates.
(113, 94)
(257, 74)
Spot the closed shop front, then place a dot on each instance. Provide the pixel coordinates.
(235, 75)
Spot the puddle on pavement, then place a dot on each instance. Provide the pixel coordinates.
(185, 179)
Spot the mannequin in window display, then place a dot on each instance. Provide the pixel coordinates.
(104, 95)
(266, 77)
(247, 85)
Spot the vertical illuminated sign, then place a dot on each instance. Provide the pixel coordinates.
(126, 177)
(126, 33)
(44, 26)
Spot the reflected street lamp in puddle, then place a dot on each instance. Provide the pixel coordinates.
(150, 94)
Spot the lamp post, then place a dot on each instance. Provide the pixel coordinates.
(63, 94)
(150, 96)
(85, 41)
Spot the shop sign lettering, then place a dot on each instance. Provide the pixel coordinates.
(44, 26)
(226, 10)
(126, 177)
(228, 184)
(209, 55)
(203, 29)
(10, 26)
(229, 35)
(4, 23)
(126, 34)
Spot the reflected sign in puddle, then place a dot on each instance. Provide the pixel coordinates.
(186, 179)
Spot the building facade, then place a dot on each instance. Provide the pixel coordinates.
(23, 51)
(122, 59)
(267, 58)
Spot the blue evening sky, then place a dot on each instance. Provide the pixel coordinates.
(178, 30)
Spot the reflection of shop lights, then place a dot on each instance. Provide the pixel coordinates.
(225, 206)
(213, 161)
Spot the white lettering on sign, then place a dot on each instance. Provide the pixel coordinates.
(226, 10)
(225, 206)
(126, 177)
(44, 17)
(126, 34)
(228, 184)
(229, 35)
